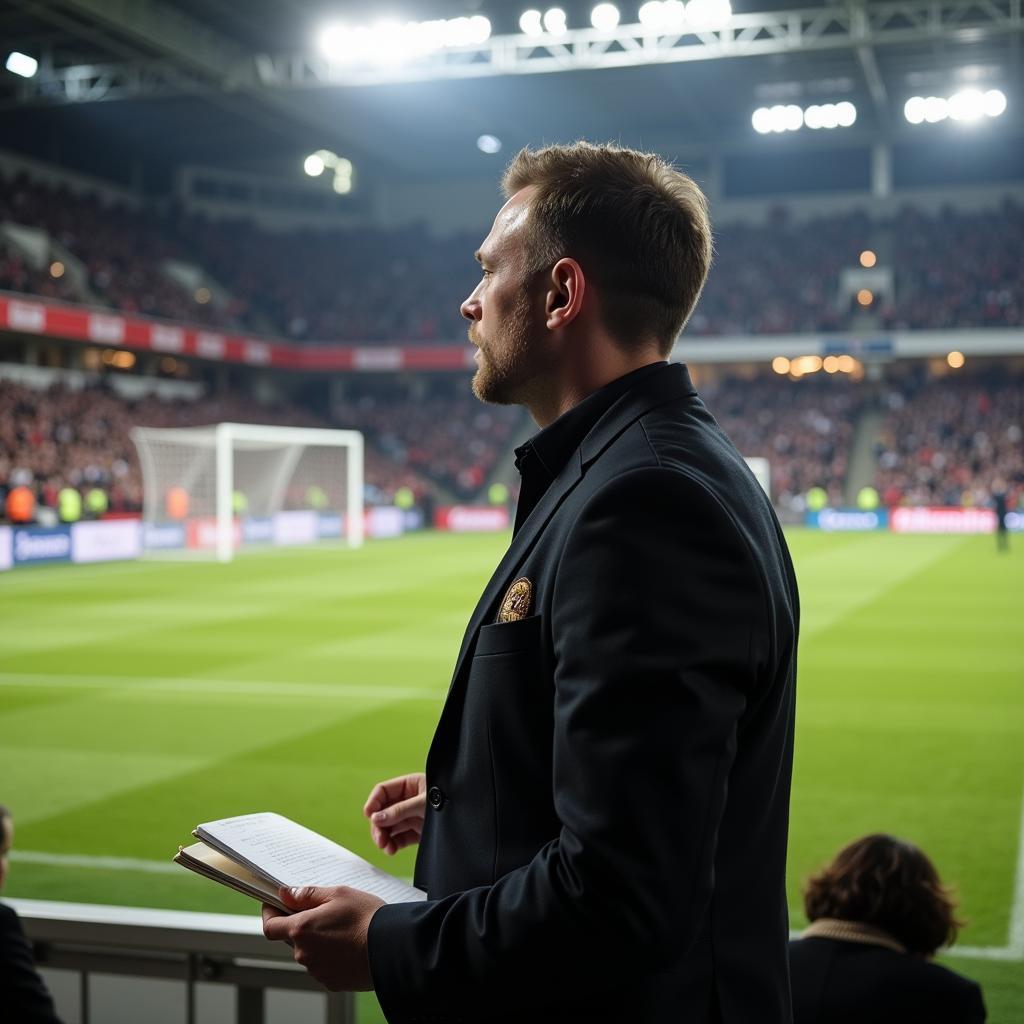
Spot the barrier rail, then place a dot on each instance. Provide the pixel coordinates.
(172, 945)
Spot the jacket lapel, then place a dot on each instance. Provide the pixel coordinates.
(521, 544)
(660, 388)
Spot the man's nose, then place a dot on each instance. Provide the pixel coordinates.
(470, 308)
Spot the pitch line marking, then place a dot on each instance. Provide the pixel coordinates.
(201, 685)
(84, 860)
(75, 860)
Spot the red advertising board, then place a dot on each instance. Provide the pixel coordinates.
(29, 315)
(935, 519)
(472, 518)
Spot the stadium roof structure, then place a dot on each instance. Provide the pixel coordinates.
(241, 85)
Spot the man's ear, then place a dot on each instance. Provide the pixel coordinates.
(566, 287)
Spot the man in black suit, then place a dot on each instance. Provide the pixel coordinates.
(603, 817)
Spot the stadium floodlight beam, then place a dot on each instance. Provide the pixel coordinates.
(21, 64)
(604, 17)
(489, 144)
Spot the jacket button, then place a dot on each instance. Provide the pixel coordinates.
(435, 797)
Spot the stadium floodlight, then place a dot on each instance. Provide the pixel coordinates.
(761, 119)
(489, 144)
(815, 117)
(296, 485)
(664, 15)
(466, 31)
(794, 118)
(21, 64)
(846, 114)
(708, 14)
(936, 109)
(967, 105)
(913, 109)
(336, 42)
(314, 165)
(390, 41)
(995, 102)
(531, 23)
(780, 118)
(554, 21)
(604, 17)
(343, 169)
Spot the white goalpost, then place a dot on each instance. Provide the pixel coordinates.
(210, 490)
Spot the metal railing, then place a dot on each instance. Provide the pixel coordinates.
(177, 945)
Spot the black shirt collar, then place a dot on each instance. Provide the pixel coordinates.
(544, 456)
(557, 441)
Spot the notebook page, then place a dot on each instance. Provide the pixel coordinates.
(293, 855)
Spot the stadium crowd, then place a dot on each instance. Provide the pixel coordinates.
(123, 251)
(805, 430)
(61, 437)
(445, 434)
(952, 269)
(944, 441)
(949, 441)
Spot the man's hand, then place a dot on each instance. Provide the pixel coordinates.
(327, 930)
(396, 809)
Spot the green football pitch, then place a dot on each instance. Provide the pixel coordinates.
(139, 699)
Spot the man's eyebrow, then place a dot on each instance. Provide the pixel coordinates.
(481, 257)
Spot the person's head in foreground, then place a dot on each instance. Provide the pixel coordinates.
(6, 839)
(592, 267)
(887, 884)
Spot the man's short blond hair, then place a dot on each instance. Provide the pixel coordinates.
(638, 227)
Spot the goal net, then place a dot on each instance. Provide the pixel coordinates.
(211, 490)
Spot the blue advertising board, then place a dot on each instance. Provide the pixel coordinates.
(37, 545)
(848, 520)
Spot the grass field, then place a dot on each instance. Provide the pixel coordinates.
(139, 699)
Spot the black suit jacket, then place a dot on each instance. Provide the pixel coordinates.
(841, 982)
(605, 837)
(23, 996)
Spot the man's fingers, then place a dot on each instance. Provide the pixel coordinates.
(404, 839)
(385, 793)
(309, 896)
(413, 809)
(275, 923)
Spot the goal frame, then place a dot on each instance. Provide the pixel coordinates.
(224, 437)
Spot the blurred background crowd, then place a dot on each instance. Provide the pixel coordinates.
(954, 269)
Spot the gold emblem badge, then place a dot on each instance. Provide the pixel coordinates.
(516, 603)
